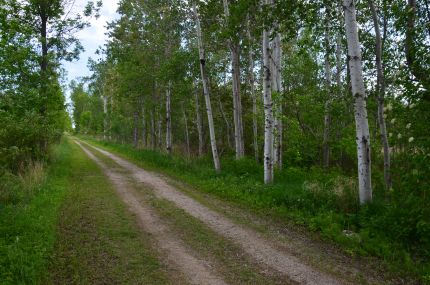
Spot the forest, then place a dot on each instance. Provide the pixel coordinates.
(313, 112)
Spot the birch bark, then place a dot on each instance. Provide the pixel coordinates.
(105, 117)
(168, 119)
(360, 110)
(237, 102)
(268, 112)
(187, 135)
(202, 58)
(380, 90)
(251, 79)
(199, 122)
(327, 69)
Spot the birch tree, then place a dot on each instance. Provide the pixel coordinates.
(251, 79)
(237, 102)
(380, 91)
(327, 71)
(168, 119)
(202, 60)
(199, 122)
(360, 109)
(268, 111)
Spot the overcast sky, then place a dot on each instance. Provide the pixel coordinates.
(91, 38)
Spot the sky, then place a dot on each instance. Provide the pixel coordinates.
(91, 38)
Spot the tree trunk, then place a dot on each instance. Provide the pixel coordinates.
(360, 110)
(187, 135)
(152, 118)
(135, 129)
(168, 120)
(380, 90)
(252, 90)
(227, 124)
(268, 112)
(237, 104)
(105, 117)
(159, 130)
(277, 87)
(144, 126)
(420, 73)
(199, 122)
(326, 135)
(217, 164)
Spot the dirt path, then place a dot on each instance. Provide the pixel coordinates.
(251, 242)
(197, 271)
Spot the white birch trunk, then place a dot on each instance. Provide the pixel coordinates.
(199, 122)
(327, 69)
(144, 127)
(277, 87)
(237, 104)
(380, 88)
(135, 129)
(187, 134)
(360, 110)
(252, 90)
(268, 112)
(168, 119)
(152, 119)
(105, 117)
(217, 164)
(159, 130)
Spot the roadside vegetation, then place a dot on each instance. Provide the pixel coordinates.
(29, 210)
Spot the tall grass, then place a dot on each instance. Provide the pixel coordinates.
(29, 204)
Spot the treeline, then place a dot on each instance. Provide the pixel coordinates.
(291, 83)
(35, 37)
(338, 86)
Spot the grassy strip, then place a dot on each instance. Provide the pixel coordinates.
(325, 203)
(28, 226)
(99, 241)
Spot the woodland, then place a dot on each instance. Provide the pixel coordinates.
(316, 112)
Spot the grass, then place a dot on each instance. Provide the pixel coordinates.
(29, 217)
(325, 203)
(99, 241)
(65, 225)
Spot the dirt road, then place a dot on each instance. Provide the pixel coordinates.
(267, 253)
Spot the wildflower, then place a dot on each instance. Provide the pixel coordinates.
(399, 136)
(393, 121)
(411, 139)
(408, 126)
